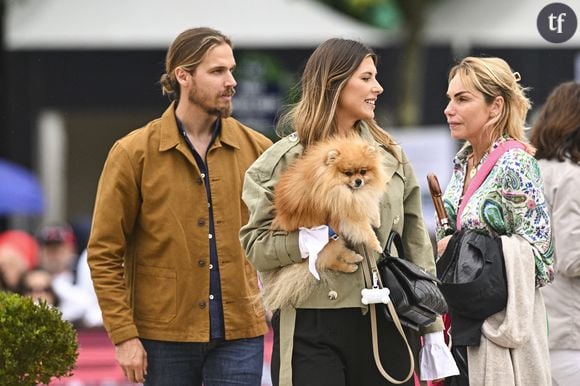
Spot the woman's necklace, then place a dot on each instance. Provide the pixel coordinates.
(474, 167)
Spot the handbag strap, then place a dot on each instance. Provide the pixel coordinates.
(395, 238)
(369, 267)
(482, 173)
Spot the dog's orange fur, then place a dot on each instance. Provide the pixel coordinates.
(337, 182)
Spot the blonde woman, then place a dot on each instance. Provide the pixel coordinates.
(487, 109)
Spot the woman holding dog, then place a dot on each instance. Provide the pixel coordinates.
(496, 190)
(326, 339)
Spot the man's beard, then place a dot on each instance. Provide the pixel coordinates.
(201, 99)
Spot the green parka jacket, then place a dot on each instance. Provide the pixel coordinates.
(400, 211)
(149, 245)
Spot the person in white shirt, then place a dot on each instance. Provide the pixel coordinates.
(57, 255)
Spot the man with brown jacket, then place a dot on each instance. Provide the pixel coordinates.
(178, 296)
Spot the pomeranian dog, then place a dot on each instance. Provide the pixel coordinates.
(338, 182)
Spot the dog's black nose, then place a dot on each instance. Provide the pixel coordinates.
(358, 182)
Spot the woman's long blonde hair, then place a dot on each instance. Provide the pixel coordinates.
(326, 72)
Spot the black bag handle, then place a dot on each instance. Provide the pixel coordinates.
(394, 237)
(407, 265)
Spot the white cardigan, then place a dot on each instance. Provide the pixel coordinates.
(514, 342)
(561, 187)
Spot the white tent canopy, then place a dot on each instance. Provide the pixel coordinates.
(126, 24)
(122, 24)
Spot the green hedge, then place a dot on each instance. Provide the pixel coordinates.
(36, 344)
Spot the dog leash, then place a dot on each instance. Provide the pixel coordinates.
(368, 267)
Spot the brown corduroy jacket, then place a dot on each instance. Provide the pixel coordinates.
(149, 244)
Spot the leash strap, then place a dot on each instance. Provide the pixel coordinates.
(369, 266)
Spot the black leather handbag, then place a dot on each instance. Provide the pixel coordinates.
(413, 291)
(472, 275)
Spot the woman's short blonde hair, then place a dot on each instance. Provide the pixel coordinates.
(493, 77)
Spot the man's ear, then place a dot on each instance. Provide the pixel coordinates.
(182, 75)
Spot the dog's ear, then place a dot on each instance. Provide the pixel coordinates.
(332, 156)
(371, 150)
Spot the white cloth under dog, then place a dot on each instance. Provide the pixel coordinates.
(311, 241)
(514, 342)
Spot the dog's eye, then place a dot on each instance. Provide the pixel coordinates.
(349, 173)
(363, 172)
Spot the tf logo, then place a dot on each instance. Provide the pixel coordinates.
(557, 22)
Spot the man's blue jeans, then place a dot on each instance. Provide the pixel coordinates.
(217, 363)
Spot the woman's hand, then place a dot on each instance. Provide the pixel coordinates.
(442, 245)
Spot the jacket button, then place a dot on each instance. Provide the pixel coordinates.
(201, 304)
(201, 222)
(332, 295)
(201, 263)
(396, 220)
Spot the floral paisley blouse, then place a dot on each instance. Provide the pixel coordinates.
(509, 201)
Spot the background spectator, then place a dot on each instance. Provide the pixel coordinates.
(37, 283)
(57, 248)
(57, 255)
(18, 253)
(556, 136)
(93, 317)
